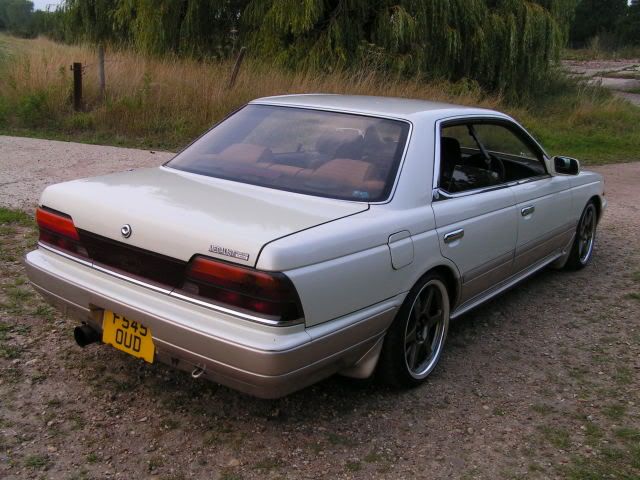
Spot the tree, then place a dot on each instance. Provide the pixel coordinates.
(506, 45)
(193, 27)
(15, 16)
(596, 17)
(629, 29)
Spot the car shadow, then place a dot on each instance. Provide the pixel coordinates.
(339, 396)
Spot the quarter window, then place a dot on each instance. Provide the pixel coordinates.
(481, 154)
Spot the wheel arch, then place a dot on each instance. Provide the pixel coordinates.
(452, 281)
(597, 201)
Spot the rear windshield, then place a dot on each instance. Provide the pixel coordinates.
(327, 154)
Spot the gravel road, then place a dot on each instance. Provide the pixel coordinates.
(27, 165)
(542, 382)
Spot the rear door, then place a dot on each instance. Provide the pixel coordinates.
(475, 211)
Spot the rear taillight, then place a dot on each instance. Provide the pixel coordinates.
(58, 230)
(265, 294)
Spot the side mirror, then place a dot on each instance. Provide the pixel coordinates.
(566, 165)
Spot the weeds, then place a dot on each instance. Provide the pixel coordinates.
(268, 464)
(36, 462)
(614, 412)
(16, 217)
(166, 102)
(558, 437)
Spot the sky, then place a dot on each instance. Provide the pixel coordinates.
(42, 4)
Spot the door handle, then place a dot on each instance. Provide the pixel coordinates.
(528, 210)
(453, 236)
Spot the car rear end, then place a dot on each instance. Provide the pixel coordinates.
(266, 355)
(162, 263)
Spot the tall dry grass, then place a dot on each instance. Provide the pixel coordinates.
(173, 97)
(166, 102)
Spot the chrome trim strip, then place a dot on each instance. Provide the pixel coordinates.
(437, 192)
(172, 293)
(246, 316)
(64, 254)
(440, 194)
(131, 279)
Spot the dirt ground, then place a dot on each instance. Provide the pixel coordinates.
(621, 76)
(542, 382)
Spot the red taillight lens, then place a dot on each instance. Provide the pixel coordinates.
(264, 293)
(58, 230)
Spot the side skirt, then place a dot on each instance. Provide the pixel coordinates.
(504, 285)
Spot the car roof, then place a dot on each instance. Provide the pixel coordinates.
(403, 108)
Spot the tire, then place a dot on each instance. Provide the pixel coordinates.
(414, 343)
(582, 248)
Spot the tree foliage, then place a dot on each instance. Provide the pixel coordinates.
(193, 27)
(629, 29)
(505, 45)
(596, 17)
(16, 17)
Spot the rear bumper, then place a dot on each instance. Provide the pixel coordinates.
(261, 360)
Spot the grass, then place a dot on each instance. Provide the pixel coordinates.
(596, 52)
(163, 103)
(17, 217)
(37, 462)
(556, 436)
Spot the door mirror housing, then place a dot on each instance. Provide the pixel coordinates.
(566, 165)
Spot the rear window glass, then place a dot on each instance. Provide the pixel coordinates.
(327, 154)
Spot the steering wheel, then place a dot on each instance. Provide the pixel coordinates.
(495, 164)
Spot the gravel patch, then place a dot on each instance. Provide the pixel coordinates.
(28, 165)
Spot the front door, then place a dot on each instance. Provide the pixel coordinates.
(543, 201)
(544, 224)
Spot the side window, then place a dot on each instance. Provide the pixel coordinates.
(479, 155)
(520, 159)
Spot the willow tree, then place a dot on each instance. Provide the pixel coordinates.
(506, 45)
(191, 27)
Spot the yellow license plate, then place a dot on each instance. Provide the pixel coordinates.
(127, 335)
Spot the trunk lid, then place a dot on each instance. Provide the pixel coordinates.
(179, 214)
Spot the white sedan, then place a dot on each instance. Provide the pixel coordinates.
(308, 235)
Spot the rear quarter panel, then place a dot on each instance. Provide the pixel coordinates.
(345, 266)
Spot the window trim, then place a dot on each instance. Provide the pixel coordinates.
(526, 137)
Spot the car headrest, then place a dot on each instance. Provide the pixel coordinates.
(450, 155)
(329, 143)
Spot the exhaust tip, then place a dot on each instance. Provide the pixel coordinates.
(85, 335)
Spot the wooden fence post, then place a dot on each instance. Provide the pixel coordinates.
(236, 67)
(101, 79)
(77, 86)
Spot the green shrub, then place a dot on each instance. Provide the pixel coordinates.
(33, 109)
(80, 121)
(4, 112)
